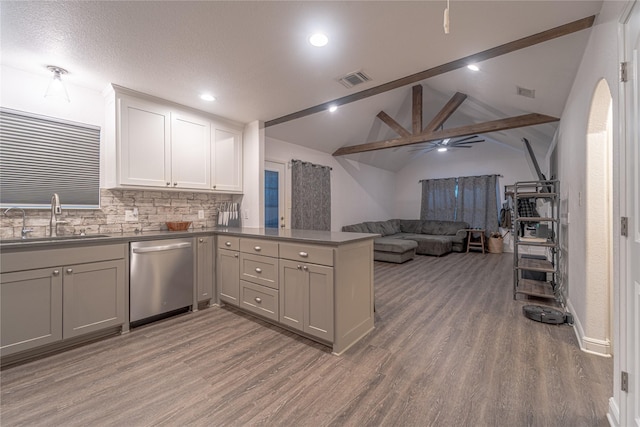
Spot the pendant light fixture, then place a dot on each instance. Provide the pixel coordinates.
(56, 89)
(446, 19)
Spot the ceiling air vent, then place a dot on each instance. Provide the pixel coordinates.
(529, 93)
(353, 79)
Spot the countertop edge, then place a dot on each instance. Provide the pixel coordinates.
(335, 238)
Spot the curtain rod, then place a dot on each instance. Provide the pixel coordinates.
(312, 164)
(458, 177)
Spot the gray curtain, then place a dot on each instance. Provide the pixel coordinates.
(478, 202)
(310, 196)
(438, 199)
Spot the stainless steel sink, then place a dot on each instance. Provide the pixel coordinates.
(53, 239)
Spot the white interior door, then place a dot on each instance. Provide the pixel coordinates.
(274, 195)
(630, 410)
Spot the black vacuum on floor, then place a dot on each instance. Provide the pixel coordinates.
(544, 314)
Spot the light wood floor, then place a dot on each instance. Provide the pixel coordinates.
(450, 348)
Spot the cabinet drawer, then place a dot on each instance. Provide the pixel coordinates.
(259, 269)
(259, 299)
(259, 247)
(229, 242)
(307, 253)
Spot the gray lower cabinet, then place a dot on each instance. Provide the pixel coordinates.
(228, 267)
(205, 261)
(93, 297)
(31, 304)
(306, 298)
(51, 295)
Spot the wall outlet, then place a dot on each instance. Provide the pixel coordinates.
(246, 214)
(201, 214)
(131, 215)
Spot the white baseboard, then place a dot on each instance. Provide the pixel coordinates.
(614, 413)
(588, 345)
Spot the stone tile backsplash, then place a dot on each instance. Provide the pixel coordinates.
(154, 209)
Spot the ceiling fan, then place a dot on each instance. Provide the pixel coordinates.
(449, 144)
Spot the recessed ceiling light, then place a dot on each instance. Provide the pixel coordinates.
(473, 67)
(207, 97)
(333, 108)
(442, 149)
(318, 40)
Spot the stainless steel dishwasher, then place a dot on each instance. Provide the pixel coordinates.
(161, 279)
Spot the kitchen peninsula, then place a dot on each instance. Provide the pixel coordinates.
(317, 284)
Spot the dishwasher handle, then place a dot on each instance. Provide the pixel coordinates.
(162, 248)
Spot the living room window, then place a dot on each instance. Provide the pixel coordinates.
(472, 199)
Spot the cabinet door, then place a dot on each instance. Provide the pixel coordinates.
(205, 268)
(144, 140)
(229, 276)
(226, 160)
(190, 152)
(293, 284)
(319, 301)
(93, 297)
(31, 304)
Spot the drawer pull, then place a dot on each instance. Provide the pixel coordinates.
(303, 254)
(258, 270)
(56, 272)
(257, 248)
(235, 255)
(201, 240)
(305, 268)
(258, 300)
(227, 243)
(69, 270)
(299, 267)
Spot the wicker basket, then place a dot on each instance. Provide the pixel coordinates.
(178, 225)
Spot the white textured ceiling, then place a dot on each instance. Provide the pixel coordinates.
(254, 57)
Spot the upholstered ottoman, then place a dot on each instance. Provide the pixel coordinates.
(393, 250)
(433, 245)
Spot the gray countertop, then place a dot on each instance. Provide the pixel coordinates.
(308, 236)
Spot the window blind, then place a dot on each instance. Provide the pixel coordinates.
(41, 155)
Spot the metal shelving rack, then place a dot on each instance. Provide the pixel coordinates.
(549, 192)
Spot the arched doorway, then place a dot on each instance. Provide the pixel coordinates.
(598, 331)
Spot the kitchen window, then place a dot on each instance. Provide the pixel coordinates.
(42, 155)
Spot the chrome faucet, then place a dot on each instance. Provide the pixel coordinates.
(24, 230)
(56, 209)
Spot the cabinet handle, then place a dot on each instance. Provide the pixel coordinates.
(257, 248)
(258, 300)
(201, 240)
(258, 270)
(56, 272)
(69, 270)
(299, 267)
(175, 183)
(168, 184)
(235, 255)
(305, 268)
(303, 254)
(227, 243)
(213, 187)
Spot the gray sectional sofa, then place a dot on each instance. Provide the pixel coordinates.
(401, 239)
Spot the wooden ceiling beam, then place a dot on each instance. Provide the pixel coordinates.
(477, 128)
(390, 121)
(513, 46)
(446, 112)
(416, 111)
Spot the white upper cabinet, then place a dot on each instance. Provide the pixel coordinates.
(153, 143)
(226, 160)
(145, 156)
(190, 152)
